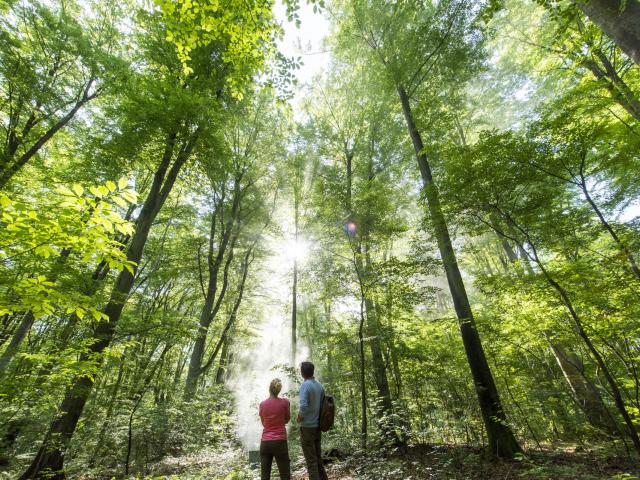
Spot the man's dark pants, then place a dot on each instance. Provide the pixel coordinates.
(310, 439)
(280, 450)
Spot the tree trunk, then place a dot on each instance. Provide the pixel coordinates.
(49, 460)
(294, 313)
(327, 319)
(27, 321)
(16, 340)
(113, 395)
(502, 442)
(222, 368)
(619, 19)
(11, 168)
(363, 383)
(139, 395)
(246, 262)
(613, 385)
(182, 361)
(372, 324)
(584, 390)
(582, 333)
(611, 81)
(504, 242)
(211, 304)
(193, 373)
(374, 332)
(349, 160)
(607, 226)
(294, 287)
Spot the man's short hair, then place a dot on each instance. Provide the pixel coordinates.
(307, 369)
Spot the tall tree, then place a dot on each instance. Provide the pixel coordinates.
(436, 38)
(178, 137)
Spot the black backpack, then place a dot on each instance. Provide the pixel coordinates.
(327, 412)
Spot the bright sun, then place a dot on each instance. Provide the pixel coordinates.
(296, 250)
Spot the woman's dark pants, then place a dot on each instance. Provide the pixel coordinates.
(280, 450)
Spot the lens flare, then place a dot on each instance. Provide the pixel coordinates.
(350, 229)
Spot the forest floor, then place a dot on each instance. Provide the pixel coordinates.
(432, 462)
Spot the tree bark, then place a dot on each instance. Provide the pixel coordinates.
(619, 19)
(502, 442)
(49, 460)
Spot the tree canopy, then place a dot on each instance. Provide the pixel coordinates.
(444, 219)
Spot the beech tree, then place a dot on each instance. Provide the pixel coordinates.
(438, 31)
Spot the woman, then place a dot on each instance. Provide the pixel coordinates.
(275, 413)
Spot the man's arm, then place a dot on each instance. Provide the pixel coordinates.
(304, 402)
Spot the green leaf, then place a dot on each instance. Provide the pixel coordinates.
(78, 189)
(119, 201)
(63, 190)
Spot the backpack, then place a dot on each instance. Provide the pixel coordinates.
(327, 412)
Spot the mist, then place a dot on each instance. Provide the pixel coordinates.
(269, 354)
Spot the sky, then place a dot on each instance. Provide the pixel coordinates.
(305, 42)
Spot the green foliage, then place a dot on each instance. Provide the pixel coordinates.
(248, 33)
(83, 224)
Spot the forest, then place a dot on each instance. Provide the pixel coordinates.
(443, 216)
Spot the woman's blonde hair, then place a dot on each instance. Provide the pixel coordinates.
(275, 386)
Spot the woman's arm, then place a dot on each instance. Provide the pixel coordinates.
(287, 415)
(260, 413)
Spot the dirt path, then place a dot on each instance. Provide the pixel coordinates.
(440, 462)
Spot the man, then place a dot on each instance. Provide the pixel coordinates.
(311, 393)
